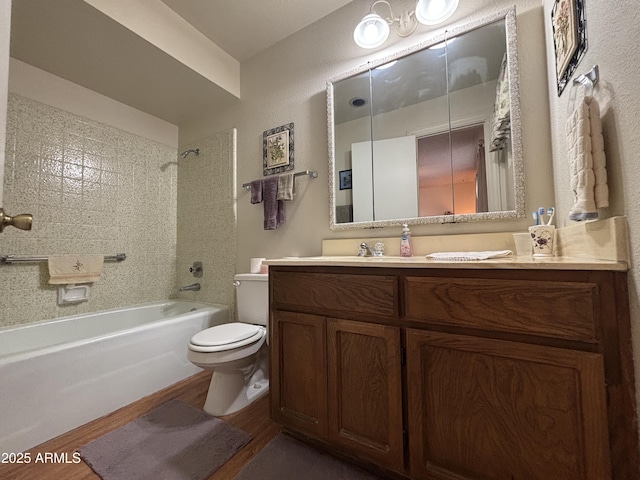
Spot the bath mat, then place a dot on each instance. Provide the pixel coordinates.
(284, 458)
(172, 442)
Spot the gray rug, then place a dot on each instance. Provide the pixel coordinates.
(287, 459)
(172, 442)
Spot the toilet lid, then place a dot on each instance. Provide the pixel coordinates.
(224, 334)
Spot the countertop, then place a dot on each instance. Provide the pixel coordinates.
(511, 262)
(599, 245)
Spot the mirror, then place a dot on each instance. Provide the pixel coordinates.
(430, 134)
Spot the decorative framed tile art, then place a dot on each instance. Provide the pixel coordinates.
(569, 26)
(277, 148)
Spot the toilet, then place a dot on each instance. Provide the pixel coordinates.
(236, 352)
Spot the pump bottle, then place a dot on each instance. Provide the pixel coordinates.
(405, 243)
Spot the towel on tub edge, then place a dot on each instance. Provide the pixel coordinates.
(71, 269)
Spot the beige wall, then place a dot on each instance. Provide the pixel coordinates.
(287, 83)
(36, 84)
(92, 189)
(612, 31)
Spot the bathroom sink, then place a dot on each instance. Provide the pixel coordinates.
(390, 261)
(356, 259)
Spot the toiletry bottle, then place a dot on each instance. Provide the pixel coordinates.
(405, 243)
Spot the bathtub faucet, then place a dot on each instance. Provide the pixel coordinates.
(194, 287)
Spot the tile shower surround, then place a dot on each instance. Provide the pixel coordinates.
(92, 189)
(207, 224)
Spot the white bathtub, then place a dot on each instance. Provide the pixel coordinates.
(59, 374)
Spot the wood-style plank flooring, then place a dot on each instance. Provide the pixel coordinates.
(254, 419)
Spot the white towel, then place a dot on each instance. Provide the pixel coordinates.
(601, 189)
(72, 269)
(285, 186)
(469, 256)
(587, 160)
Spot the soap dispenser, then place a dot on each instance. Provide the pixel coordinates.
(405, 242)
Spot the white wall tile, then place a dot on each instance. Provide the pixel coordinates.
(93, 189)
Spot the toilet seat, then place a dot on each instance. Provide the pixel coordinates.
(226, 337)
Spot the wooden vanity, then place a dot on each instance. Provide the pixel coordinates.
(434, 372)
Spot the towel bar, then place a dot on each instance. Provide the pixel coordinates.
(9, 259)
(311, 173)
(589, 79)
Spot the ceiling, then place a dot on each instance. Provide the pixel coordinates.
(75, 41)
(261, 22)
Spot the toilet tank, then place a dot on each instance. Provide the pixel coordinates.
(252, 297)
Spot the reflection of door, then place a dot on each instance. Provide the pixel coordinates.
(447, 178)
(384, 187)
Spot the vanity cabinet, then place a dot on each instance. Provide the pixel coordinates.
(482, 408)
(365, 391)
(458, 373)
(299, 371)
(332, 378)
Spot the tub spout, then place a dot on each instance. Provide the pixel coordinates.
(194, 287)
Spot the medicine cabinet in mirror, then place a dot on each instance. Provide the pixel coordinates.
(430, 134)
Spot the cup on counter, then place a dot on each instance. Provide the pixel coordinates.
(542, 237)
(256, 265)
(523, 244)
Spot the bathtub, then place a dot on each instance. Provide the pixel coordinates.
(59, 374)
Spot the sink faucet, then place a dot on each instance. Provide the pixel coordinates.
(367, 251)
(194, 287)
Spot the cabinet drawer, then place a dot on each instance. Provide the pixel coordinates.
(368, 294)
(565, 310)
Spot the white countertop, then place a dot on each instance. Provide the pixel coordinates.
(511, 262)
(600, 245)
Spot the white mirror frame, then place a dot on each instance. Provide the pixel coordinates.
(509, 16)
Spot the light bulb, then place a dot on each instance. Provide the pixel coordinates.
(432, 12)
(371, 32)
(436, 7)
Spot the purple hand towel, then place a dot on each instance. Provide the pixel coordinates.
(273, 208)
(256, 191)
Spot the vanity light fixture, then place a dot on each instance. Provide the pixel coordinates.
(373, 29)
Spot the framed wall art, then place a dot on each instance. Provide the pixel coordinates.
(569, 26)
(277, 148)
(345, 179)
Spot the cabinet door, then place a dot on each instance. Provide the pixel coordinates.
(492, 409)
(298, 379)
(365, 392)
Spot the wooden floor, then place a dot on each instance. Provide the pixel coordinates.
(254, 419)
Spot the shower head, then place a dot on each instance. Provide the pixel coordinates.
(186, 153)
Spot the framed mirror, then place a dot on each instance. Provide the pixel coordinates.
(430, 134)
